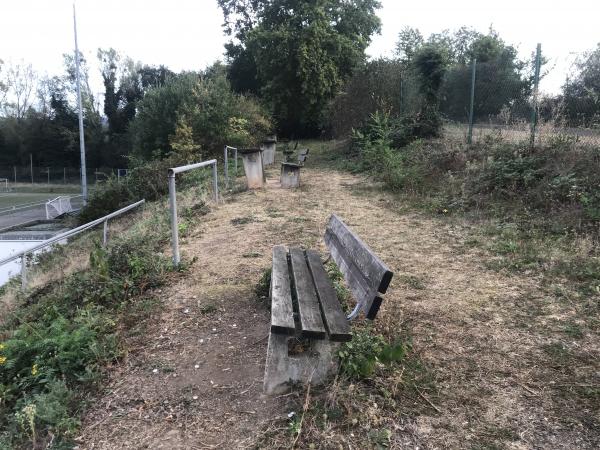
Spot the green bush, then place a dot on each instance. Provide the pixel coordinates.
(146, 181)
(493, 176)
(205, 105)
(360, 356)
(53, 348)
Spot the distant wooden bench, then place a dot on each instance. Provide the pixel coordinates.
(307, 320)
(303, 155)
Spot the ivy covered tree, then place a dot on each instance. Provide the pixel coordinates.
(297, 54)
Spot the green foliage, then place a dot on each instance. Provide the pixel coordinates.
(300, 53)
(194, 111)
(146, 181)
(54, 346)
(379, 85)
(430, 64)
(360, 356)
(263, 287)
(555, 180)
(579, 103)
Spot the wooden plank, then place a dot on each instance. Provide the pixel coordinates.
(311, 323)
(378, 275)
(282, 310)
(359, 286)
(335, 319)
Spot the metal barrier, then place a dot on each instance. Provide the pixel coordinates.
(226, 158)
(67, 234)
(173, 200)
(64, 204)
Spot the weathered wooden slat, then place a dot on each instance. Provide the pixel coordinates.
(359, 286)
(335, 319)
(282, 310)
(311, 323)
(374, 270)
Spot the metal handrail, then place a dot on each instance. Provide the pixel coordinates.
(67, 234)
(226, 158)
(173, 200)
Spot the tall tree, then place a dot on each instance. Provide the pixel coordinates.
(581, 95)
(19, 89)
(297, 54)
(409, 41)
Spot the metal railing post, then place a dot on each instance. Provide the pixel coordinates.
(226, 166)
(236, 172)
(174, 230)
(24, 271)
(215, 182)
(536, 86)
(105, 233)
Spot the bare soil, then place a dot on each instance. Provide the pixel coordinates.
(506, 375)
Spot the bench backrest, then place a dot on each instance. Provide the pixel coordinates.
(302, 155)
(366, 275)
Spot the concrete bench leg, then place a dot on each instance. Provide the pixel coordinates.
(314, 365)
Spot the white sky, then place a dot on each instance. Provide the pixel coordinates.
(187, 34)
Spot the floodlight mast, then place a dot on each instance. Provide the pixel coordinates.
(81, 133)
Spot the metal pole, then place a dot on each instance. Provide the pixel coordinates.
(15, 168)
(48, 176)
(81, 134)
(236, 172)
(215, 182)
(24, 271)
(473, 74)
(31, 166)
(64, 175)
(174, 230)
(536, 85)
(105, 233)
(226, 166)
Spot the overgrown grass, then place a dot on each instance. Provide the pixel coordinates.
(58, 337)
(537, 209)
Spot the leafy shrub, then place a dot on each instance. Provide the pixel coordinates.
(146, 181)
(203, 103)
(64, 333)
(360, 356)
(493, 176)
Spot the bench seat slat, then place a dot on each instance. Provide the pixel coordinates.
(311, 323)
(335, 320)
(282, 311)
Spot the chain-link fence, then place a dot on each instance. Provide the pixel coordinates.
(515, 102)
(18, 175)
(533, 100)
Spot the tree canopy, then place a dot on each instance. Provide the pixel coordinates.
(297, 54)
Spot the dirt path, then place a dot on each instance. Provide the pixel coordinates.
(195, 380)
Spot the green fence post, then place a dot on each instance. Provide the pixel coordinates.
(536, 85)
(473, 74)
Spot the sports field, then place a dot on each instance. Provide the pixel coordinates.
(25, 193)
(10, 199)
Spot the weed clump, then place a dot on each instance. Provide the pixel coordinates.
(360, 356)
(53, 348)
(263, 287)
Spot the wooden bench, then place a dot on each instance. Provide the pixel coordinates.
(303, 155)
(307, 321)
